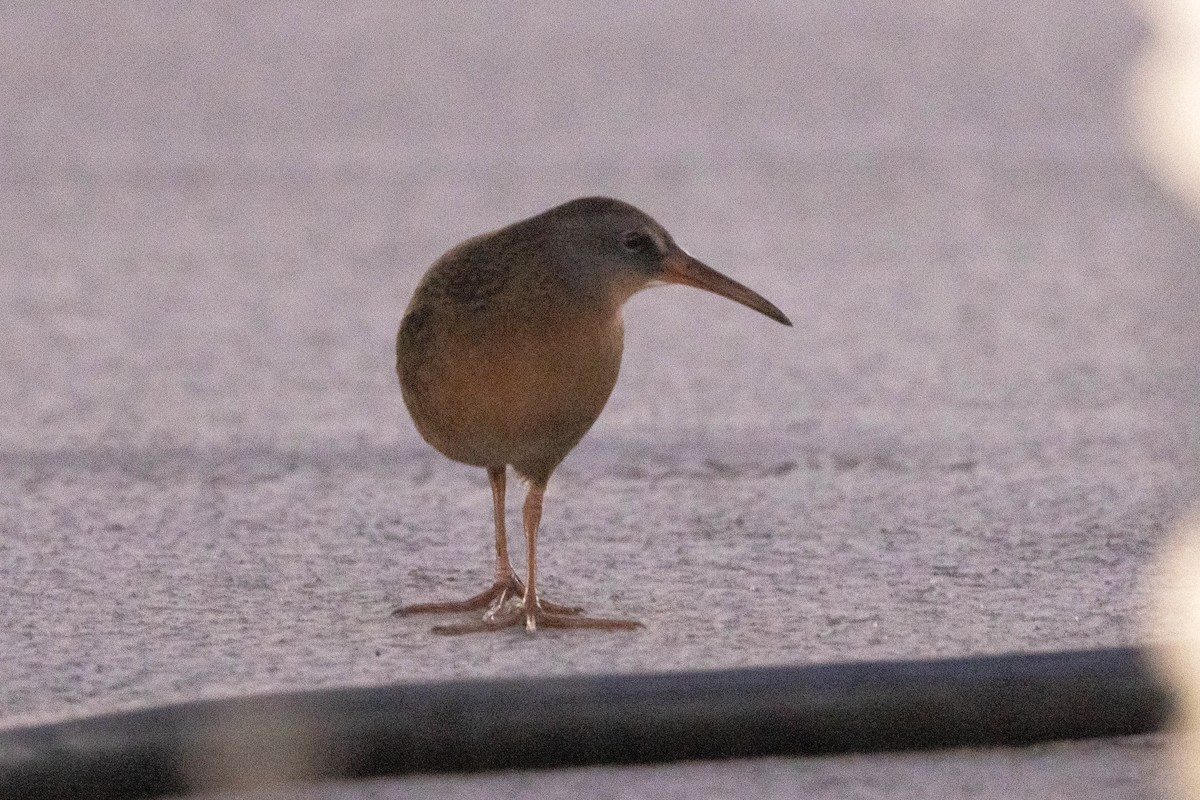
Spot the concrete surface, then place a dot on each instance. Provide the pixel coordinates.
(211, 217)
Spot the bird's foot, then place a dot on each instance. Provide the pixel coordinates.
(496, 598)
(542, 615)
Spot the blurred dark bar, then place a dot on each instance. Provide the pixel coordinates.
(612, 719)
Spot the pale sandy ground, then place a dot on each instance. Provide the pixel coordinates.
(973, 441)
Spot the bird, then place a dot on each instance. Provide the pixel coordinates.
(508, 352)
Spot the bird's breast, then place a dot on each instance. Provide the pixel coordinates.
(511, 388)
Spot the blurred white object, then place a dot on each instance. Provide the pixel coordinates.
(1166, 96)
(1177, 624)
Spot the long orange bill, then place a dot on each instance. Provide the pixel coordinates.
(679, 267)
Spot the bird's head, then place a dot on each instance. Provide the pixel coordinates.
(616, 247)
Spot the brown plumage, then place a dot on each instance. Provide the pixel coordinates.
(508, 352)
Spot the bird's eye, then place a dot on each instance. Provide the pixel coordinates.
(638, 242)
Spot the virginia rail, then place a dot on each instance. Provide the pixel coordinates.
(509, 350)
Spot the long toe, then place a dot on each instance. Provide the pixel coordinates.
(494, 596)
(507, 618)
(504, 608)
(546, 619)
(514, 616)
(555, 608)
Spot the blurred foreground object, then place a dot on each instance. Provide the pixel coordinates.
(1178, 623)
(1165, 97)
(1166, 122)
(467, 726)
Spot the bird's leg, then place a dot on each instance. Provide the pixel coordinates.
(506, 591)
(505, 577)
(533, 612)
(507, 585)
(545, 614)
(532, 519)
